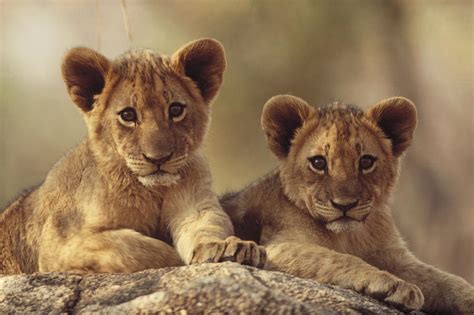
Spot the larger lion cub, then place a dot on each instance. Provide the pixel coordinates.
(136, 193)
(323, 214)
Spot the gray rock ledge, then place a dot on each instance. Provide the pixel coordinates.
(208, 288)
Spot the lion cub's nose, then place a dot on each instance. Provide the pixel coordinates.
(344, 207)
(159, 160)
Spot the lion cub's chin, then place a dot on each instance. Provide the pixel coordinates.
(159, 179)
(344, 225)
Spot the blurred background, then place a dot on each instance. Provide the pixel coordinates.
(354, 51)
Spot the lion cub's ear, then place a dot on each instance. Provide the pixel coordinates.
(203, 61)
(84, 71)
(397, 118)
(282, 116)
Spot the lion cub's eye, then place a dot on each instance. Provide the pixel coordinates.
(318, 163)
(176, 109)
(367, 162)
(128, 115)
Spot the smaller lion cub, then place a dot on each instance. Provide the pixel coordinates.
(323, 214)
(136, 193)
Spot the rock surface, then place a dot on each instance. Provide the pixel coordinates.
(206, 288)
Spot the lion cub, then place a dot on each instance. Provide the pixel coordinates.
(136, 193)
(323, 213)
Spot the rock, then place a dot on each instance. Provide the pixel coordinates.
(207, 288)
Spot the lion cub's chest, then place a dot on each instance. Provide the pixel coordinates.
(358, 243)
(140, 212)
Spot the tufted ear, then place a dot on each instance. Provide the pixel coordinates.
(282, 116)
(397, 118)
(203, 61)
(84, 71)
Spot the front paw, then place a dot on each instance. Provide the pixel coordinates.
(392, 290)
(231, 249)
(464, 301)
(406, 295)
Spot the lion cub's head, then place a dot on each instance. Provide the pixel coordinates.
(338, 162)
(146, 112)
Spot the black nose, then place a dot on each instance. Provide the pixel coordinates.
(344, 207)
(159, 160)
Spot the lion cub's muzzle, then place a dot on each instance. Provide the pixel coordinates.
(157, 170)
(342, 215)
(158, 161)
(337, 209)
(344, 206)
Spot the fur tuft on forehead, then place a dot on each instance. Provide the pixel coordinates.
(144, 64)
(338, 109)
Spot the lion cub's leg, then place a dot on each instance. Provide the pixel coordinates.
(207, 236)
(444, 292)
(308, 260)
(122, 250)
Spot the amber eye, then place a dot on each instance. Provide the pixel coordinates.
(366, 162)
(318, 163)
(176, 109)
(128, 115)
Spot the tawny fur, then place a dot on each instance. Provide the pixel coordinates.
(294, 210)
(134, 194)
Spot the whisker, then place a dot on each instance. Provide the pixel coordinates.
(322, 206)
(173, 163)
(134, 159)
(177, 161)
(136, 164)
(361, 209)
(329, 214)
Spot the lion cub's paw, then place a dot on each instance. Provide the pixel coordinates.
(394, 291)
(406, 295)
(244, 252)
(464, 302)
(231, 249)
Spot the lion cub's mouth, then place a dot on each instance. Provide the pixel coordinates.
(159, 178)
(346, 219)
(343, 224)
(157, 172)
(347, 222)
